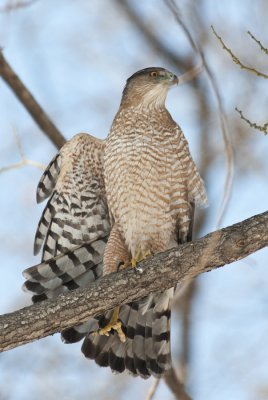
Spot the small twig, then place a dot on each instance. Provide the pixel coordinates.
(192, 73)
(21, 164)
(18, 143)
(29, 102)
(265, 49)
(262, 128)
(153, 389)
(236, 59)
(24, 161)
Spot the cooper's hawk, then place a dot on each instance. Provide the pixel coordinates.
(145, 174)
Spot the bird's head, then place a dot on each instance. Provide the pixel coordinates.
(148, 87)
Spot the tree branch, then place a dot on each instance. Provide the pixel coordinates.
(175, 385)
(264, 49)
(160, 272)
(11, 6)
(235, 59)
(29, 102)
(263, 128)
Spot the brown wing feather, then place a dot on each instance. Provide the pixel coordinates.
(73, 229)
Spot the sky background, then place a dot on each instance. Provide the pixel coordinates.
(75, 57)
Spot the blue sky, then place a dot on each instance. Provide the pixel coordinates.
(75, 57)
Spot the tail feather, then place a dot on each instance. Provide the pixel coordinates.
(161, 330)
(146, 350)
(148, 343)
(139, 352)
(116, 355)
(75, 334)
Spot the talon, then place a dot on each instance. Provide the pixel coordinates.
(114, 324)
(139, 257)
(134, 261)
(118, 328)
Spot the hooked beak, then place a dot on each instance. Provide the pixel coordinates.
(172, 78)
(175, 80)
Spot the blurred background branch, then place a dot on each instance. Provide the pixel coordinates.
(23, 160)
(29, 102)
(15, 5)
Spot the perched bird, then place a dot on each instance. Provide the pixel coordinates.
(113, 203)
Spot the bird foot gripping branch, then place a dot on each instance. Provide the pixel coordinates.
(114, 324)
(140, 256)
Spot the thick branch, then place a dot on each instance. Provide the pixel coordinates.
(29, 102)
(162, 271)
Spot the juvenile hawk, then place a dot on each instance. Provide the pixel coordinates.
(136, 191)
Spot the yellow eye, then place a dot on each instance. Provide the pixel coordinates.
(154, 74)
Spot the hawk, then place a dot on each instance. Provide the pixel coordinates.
(111, 204)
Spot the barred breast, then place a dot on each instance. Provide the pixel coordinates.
(146, 177)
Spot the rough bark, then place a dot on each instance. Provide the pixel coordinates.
(160, 272)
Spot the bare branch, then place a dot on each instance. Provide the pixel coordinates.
(13, 6)
(175, 385)
(21, 164)
(153, 389)
(265, 49)
(160, 272)
(192, 73)
(173, 382)
(236, 59)
(263, 128)
(24, 161)
(29, 102)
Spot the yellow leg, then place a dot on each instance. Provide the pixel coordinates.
(114, 324)
(139, 257)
